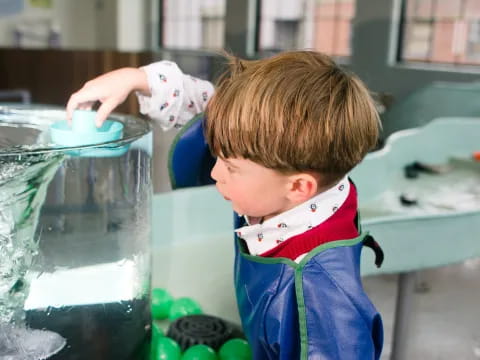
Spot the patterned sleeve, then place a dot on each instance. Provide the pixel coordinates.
(175, 97)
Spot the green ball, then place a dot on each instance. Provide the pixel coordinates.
(161, 303)
(165, 349)
(235, 349)
(199, 352)
(184, 306)
(157, 331)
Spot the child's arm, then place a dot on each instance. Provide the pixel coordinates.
(111, 89)
(174, 97)
(165, 93)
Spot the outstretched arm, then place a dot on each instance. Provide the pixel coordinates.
(111, 89)
(165, 93)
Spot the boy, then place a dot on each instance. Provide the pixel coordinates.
(286, 131)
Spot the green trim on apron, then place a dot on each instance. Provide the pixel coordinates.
(302, 316)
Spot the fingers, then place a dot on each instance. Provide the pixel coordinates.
(71, 105)
(79, 100)
(83, 101)
(86, 106)
(104, 110)
(109, 89)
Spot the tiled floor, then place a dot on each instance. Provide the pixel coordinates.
(446, 319)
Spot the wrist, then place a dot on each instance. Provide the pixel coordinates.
(138, 80)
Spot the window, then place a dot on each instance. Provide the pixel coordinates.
(323, 25)
(286, 33)
(213, 27)
(473, 42)
(441, 31)
(333, 19)
(193, 24)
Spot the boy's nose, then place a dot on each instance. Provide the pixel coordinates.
(215, 171)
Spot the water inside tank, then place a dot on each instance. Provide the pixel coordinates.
(75, 233)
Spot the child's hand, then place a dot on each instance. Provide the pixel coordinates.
(111, 89)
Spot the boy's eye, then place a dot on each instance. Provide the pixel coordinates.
(229, 166)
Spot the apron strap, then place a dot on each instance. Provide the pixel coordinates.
(370, 242)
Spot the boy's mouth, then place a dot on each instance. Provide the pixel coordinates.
(221, 193)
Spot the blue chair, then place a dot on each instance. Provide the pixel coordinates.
(190, 161)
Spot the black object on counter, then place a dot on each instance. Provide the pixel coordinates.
(413, 169)
(203, 329)
(408, 200)
(410, 171)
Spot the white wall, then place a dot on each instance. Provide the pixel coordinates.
(38, 19)
(132, 25)
(77, 23)
(84, 24)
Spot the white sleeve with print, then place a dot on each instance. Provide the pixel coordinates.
(175, 97)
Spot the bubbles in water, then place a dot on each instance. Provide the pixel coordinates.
(20, 343)
(23, 184)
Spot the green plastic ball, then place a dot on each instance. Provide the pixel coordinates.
(184, 306)
(199, 352)
(235, 349)
(165, 349)
(161, 303)
(157, 331)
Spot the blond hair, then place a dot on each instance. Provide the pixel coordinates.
(296, 111)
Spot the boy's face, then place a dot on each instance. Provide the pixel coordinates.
(253, 189)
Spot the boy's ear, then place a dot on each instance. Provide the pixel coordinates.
(302, 187)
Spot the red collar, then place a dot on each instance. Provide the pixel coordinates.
(340, 226)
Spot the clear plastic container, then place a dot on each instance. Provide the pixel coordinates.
(75, 234)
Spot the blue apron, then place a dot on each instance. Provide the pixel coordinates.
(316, 309)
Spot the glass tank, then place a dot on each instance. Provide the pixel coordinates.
(75, 233)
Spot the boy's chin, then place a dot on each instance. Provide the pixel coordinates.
(251, 218)
(238, 210)
(242, 212)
